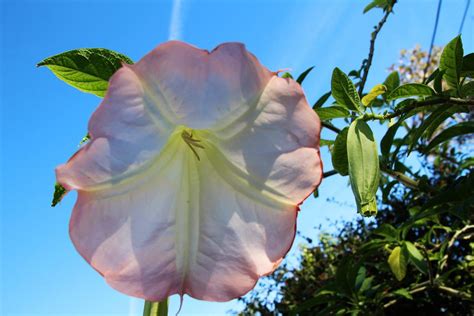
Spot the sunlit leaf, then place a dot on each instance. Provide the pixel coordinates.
(451, 62)
(416, 257)
(363, 161)
(411, 90)
(332, 112)
(398, 262)
(87, 69)
(344, 91)
(373, 94)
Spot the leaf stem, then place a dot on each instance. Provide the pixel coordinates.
(372, 48)
(331, 127)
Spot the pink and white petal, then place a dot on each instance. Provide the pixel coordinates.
(276, 148)
(243, 235)
(126, 132)
(202, 89)
(184, 227)
(128, 232)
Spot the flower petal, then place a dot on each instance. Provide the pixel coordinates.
(182, 228)
(126, 134)
(277, 145)
(201, 89)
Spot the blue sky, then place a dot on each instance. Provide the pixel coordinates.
(42, 119)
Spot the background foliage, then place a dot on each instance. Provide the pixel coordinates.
(417, 254)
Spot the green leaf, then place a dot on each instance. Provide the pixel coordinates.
(321, 100)
(387, 231)
(387, 140)
(468, 66)
(376, 3)
(326, 142)
(59, 193)
(467, 90)
(344, 91)
(416, 257)
(463, 128)
(87, 69)
(156, 308)
(304, 74)
(403, 293)
(373, 94)
(411, 90)
(287, 75)
(363, 161)
(398, 262)
(339, 153)
(332, 112)
(451, 62)
(392, 81)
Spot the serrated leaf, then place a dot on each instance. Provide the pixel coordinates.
(468, 66)
(304, 74)
(339, 153)
(416, 257)
(398, 262)
(463, 128)
(363, 161)
(451, 62)
(59, 193)
(374, 4)
(392, 81)
(411, 90)
(344, 91)
(332, 112)
(373, 94)
(321, 100)
(156, 308)
(87, 69)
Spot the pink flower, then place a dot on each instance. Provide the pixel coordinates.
(193, 176)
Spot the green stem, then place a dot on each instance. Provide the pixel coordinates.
(156, 308)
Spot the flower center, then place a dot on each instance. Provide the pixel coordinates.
(193, 143)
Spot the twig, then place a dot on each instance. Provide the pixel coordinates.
(459, 233)
(409, 182)
(329, 173)
(417, 104)
(372, 48)
(331, 127)
(428, 60)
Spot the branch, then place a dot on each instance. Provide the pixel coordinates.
(445, 289)
(331, 127)
(407, 181)
(372, 48)
(458, 234)
(329, 173)
(417, 104)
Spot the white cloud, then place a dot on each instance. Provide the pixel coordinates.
(176, 23)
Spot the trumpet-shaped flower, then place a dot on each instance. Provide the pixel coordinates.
(192, 179)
